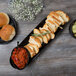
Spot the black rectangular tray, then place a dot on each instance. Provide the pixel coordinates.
(25, 41)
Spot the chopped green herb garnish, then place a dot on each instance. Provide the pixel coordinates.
(40, 34)
(36, 35)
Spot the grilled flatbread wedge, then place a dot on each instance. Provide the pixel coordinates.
(35, 47)
(54, 19)
(51, 33)
(36, 31)
(45, 39)
(35, 40)
(46, 26)
(63, 15)
(57, 16)
(32, 48)
(51, 25)
(31, 51)
(47, 33)
(40, 38)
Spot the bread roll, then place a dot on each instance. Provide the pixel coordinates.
(4, 19)
(7, 32)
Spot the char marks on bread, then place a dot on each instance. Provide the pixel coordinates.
(47, 32)
(63, 15)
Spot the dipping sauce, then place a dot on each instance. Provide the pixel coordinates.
(20, 57)
(74, 29)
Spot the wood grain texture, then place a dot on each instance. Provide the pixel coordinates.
(57, 58)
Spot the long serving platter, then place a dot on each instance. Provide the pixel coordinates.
(25, 41)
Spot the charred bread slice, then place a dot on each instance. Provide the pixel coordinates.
(63, 15)
(47, 33)
(36, 31)
(57, 16)
(35, 47)
(32, 53)
(46, 26)
(55, 23)
(51, 33)
(40, 38)
(51, 25)
(35, 40)
(54, 19)
(45, 39)
(32, 48)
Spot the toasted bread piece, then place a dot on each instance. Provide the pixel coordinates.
(54, 19)
(51, 33)
(45, 39)
(51, 25)
(7, 32)
(32, 48)
(36, 31)
(0, 32)
(4, 19)
(35, 47)
(35, 40)
(63, 15)
(48, 34)
(46, 26)
(30, 51)
(40, 38)
(57, 16)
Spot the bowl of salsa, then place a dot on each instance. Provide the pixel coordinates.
(19, 58)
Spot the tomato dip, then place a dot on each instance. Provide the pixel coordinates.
(20, 57)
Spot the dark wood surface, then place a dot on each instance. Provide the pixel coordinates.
(57, 59)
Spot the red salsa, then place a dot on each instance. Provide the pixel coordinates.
(20, 57)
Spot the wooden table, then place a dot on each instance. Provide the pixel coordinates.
(58, 58)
